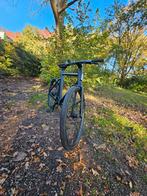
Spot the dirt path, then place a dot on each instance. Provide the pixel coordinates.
(33, 161)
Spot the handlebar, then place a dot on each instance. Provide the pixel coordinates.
(95, 61)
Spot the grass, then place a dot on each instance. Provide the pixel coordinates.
(115, 128)
(39, 100)
(124, 97)
(120, 131)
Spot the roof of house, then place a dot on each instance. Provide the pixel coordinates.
(44, 33)
(12, 35)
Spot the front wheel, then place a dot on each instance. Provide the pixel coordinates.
(72, 118)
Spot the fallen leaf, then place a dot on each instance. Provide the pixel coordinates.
(133, 163)
(27, 165)
(50, 148)
(36, 159)
(41, 165)
(19, 156)
(135, 194)
(59, 168)
(100, 147)
(94, 172)
(79, 166)
(130, 185)
(45, 127)
(44, 154)
(59, 160)
(3, 178)
(81, 191)
(60, 148)
(99, 168)
(2, 190)
(118, 178)
(48, 182)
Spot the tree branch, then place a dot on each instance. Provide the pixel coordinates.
(66, 6)
(54, 9)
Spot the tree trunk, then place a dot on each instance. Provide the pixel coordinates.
(59, 18)
(122, 79)
(58, 8)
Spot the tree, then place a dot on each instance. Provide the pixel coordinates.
(127, 41)
(31, 41)
(138, 10)
(58, 8)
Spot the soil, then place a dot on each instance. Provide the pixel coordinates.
(33, 162)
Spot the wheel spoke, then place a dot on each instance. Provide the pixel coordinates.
(73, 117)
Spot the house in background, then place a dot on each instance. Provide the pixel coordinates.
(8, 35)
(2, 35)
(45, 33)
(12, 36)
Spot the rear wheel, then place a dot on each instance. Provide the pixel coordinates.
(72, 118)
(53, 94)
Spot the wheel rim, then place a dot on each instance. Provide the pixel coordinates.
(74, 118)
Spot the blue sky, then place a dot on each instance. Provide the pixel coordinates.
(16, 14)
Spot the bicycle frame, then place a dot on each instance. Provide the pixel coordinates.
(79, 76)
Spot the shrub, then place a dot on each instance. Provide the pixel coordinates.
(136, 83)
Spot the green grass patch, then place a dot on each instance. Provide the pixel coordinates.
(123, 96)
(121, 132)
(39, 100)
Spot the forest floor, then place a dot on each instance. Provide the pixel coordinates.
(110, 159)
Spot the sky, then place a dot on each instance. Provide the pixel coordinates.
(16, 14)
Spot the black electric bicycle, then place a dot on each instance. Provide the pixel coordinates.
(72, 103)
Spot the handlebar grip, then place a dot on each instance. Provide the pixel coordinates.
(97, 61)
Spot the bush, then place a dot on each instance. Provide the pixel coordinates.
(75, 45)
(136, 83)
(15, 60)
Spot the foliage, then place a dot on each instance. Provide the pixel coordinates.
(121, 131)
(75, 45)
(120, 40)
(7, 59)
(32, 42)
(128, 48)
(24, 54)
(16, 60)
(136, 83)
(125, 97)
(113, 122)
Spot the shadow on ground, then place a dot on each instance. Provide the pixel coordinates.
(33, 161)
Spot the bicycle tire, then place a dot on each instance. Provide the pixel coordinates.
(63, 119)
